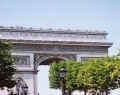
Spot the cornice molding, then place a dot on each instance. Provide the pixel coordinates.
(41, 42)
(30, 29)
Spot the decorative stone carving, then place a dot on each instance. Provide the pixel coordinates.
(21, 60)
(41, 57)
(18, 88)
(90, 36)
(55, 48)
(50, 34)
(26, 34)
(15, 34)
(73, 36)
(82, 36)
(34, 34)
(6, 33)
(99, 37)
(54, 35)
(59, 48)
(45, 34)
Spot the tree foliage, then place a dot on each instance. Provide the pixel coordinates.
(71, 75)
(6, 65)
(54, 74)
(100, 74)
(97, 74)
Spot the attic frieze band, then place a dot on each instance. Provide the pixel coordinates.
(59, 48)
(93, 37)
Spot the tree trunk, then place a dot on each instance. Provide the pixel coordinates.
(85, 92)
(69, 92)
(106, 91)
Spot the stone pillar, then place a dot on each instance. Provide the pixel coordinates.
(35, 83)
(25, 69)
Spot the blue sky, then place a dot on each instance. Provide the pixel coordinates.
(64, 14)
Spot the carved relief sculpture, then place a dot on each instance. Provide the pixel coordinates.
(21, 60)
(19, 87)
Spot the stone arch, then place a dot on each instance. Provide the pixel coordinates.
(41, 58)
(46, 58)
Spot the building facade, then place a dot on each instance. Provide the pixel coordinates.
(33, 47)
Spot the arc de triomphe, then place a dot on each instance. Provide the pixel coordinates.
(33, 47)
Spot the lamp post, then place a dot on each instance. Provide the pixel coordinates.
(62, 77)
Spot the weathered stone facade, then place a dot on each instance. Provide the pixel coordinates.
(34, 47)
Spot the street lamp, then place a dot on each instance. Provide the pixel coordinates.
(25, 89)
(62, 77)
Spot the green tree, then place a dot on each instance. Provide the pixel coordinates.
(54, 77)
(6, 65)
(95, 74)
(115, 74)
(71, 75)
(83, 77)
(98, 74)
(111, 64)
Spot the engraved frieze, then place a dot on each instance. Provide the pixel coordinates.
(67, 36)
(73, 36)
(90, 36)
(82, 36)
(15, 34)
(45, 35)
(34, 34)
(63, 35)
(54, 35)
(99, 37)
(21, 60)
(59, 48)
(5, 33)
(55, 48)
(25, 34)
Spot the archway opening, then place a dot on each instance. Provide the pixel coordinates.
(43, 77)
(49, 61)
